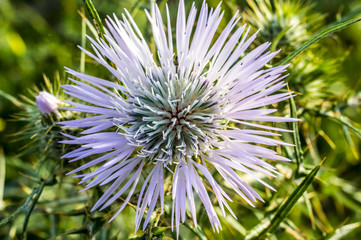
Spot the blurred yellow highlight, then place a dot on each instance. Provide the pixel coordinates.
(16, 43)
(2, 124)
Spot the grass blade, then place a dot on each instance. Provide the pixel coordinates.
(344, 121)
(341, 232)
(349, 140)
(12, 99)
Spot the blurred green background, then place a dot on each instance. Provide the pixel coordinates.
(41, 37)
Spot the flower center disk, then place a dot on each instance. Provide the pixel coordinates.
(173, 119)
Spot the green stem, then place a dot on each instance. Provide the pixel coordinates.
(2, 177)
(19, 210)
(296, 137)
(23, 208)
(83, 42)
(39, 190)
(93, 12)
(98, 23)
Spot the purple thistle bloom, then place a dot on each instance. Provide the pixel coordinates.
(179, 118)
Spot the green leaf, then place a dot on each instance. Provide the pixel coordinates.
(309, 209)
(269, 227)
(11, 98)
(343, 231)
(347, 135)
(135, 8)
(347, 200)
(344, 121)
(323, 33)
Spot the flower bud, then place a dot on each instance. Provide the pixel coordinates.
(47, 103)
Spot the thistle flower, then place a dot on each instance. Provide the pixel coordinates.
(39, 115)
(317, 77)
(184, 116)
(287, 23)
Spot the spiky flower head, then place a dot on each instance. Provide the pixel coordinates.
(187, 110)
(318, 79)
(40, 114)
(287, 23)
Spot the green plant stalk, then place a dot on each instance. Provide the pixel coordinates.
(2, 177)
(277, 39)
(296, 136)
(19, 209)
(271, 226)
(27, 204)
(309, 209)
(83, 42)
(98, 23)
(88, 23)
(31, 208)
(135, 8)
(323, 33)
(197, 231)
